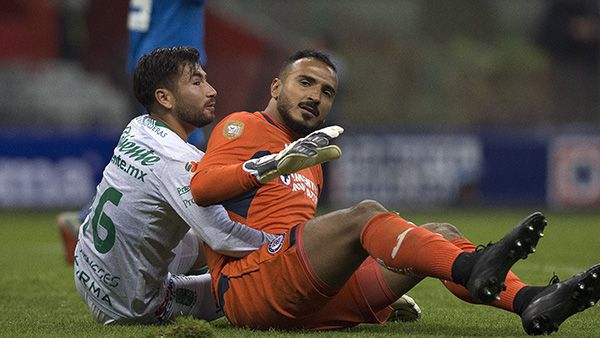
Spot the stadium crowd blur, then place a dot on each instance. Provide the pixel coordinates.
(421, 63)
(411, 65)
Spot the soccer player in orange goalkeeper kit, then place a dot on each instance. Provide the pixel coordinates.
(348, 266)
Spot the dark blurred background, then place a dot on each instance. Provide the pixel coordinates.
(445, 103)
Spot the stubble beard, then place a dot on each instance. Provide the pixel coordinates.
(284, 107)
(198, 119)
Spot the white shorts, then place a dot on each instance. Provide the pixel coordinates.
(188, 296)
(186, 254)
(183, 295)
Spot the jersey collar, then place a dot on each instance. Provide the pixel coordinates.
(160, 123)
(283, 128)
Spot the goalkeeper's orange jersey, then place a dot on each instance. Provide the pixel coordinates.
(220, 179)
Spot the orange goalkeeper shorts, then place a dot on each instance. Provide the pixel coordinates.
(275, 287)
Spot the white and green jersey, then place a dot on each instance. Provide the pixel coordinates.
(142, 209)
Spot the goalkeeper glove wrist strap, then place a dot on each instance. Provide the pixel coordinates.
(261, 167)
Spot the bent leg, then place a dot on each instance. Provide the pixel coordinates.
(365, 298)
(400, 283)
(337, 243)
(332, 242)
(280, 290)
(403, 247)
(332, 250)
(513, 283)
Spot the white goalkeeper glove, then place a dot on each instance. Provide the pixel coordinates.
(305, 152)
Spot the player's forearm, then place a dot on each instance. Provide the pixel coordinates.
(216, 184)
(226, 236)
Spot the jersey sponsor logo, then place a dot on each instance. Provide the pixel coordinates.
(191, 166)
(233, 129)
(189, 203)
(276, 244)
(136, 152)
(102, 274)
(299, 182)
(92, 288)
(130, 169)
(183, 190)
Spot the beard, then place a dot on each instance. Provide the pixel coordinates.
(284, 108)
(193, 116)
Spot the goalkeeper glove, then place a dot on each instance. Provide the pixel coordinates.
(305, 152)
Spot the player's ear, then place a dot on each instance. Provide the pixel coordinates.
(275, 88)
(164, 97)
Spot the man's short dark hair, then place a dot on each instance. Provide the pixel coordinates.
(307, 53)
(159, 69)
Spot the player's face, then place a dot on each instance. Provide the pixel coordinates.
(196, 98)
(305, 94)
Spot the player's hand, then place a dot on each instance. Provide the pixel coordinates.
(315, 148)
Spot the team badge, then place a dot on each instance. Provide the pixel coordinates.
(233, 129)
(285, 179)
(276, 244)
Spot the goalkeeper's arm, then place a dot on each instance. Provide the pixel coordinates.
(316, 148)
(217, 179)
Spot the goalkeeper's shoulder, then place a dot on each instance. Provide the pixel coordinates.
(243, 116)
(238, 124)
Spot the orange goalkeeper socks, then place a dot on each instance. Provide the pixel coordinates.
(507, 297)
(402, 246)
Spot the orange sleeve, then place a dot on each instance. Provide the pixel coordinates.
(219, 175)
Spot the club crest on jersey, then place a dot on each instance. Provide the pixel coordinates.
(276, 244)
(233, 129)
(285, 179)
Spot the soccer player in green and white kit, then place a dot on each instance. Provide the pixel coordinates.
(143, 231)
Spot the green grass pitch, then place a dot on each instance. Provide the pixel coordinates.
(38, 298)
